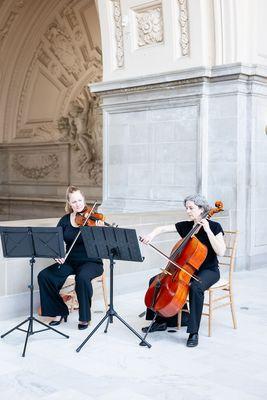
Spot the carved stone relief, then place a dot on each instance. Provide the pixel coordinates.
(63, 49)
(65, 57)
(42, 163)
(35, 167)
(65, 54)
(149, 25)
(18, 4)
(118, 33)
(184, 27)
(82, 128)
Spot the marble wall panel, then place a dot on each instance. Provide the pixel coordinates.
(163, 174)
(259, 175)
(141, 132)
(164, 132)
(119, 133)
(140, 174)
(227, 194)
(127, 117)
(178, 151)
(223, 129)
(222, 151)
(151, 149)
(118, 155)
(223, 106)
(260, 199)
(261, 224)
(185, 174)
(139, 153)
(223, 173)
(117, 174)
(174, 193)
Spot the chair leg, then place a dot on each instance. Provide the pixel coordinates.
(233, 310)
(104, 288)
(210, 312)
(73, 301)
(179, 321)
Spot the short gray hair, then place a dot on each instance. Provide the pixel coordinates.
(199, 201)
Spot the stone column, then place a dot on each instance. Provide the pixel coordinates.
(199, 130)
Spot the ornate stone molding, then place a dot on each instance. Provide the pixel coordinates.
(64, 56)
(118, 33)
(184, 27)
(149, 26)
(44, 165)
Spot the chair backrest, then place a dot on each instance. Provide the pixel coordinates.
(227, 262)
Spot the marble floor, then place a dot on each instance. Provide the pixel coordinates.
(229, 365)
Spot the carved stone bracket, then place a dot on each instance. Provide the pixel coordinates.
(184, 26)
(118, 33)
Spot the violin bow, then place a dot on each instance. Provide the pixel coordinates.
(172, 262)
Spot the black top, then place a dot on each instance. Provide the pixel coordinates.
(78, 252)
(211, 260)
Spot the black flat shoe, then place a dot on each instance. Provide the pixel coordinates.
(54, 323)
(156, 327)
(82, 326)
(192, 340)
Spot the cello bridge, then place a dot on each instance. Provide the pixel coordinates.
(165, 271)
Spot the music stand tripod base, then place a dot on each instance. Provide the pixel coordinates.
(32, 242)
(111, 243)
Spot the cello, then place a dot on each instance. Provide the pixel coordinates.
(168, 292)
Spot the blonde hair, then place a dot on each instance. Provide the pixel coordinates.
(71, 189)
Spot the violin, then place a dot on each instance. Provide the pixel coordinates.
(82, 219)
(168, 292)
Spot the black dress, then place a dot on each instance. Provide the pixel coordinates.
(208, 273)
(52, 278)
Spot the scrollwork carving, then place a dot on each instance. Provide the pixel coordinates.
(184, 25)
(149, 26)
(46, 164)
(118, 33)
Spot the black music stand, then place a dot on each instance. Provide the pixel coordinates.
(32, 242)
(112, 244)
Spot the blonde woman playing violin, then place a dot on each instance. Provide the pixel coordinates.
(211, 235)
(52, 278)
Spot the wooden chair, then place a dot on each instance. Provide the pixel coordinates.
(68, 292)
(221, 293)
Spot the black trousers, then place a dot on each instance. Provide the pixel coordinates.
(196, 299)
(51, 280)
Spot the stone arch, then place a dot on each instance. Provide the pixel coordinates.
(50, 51)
